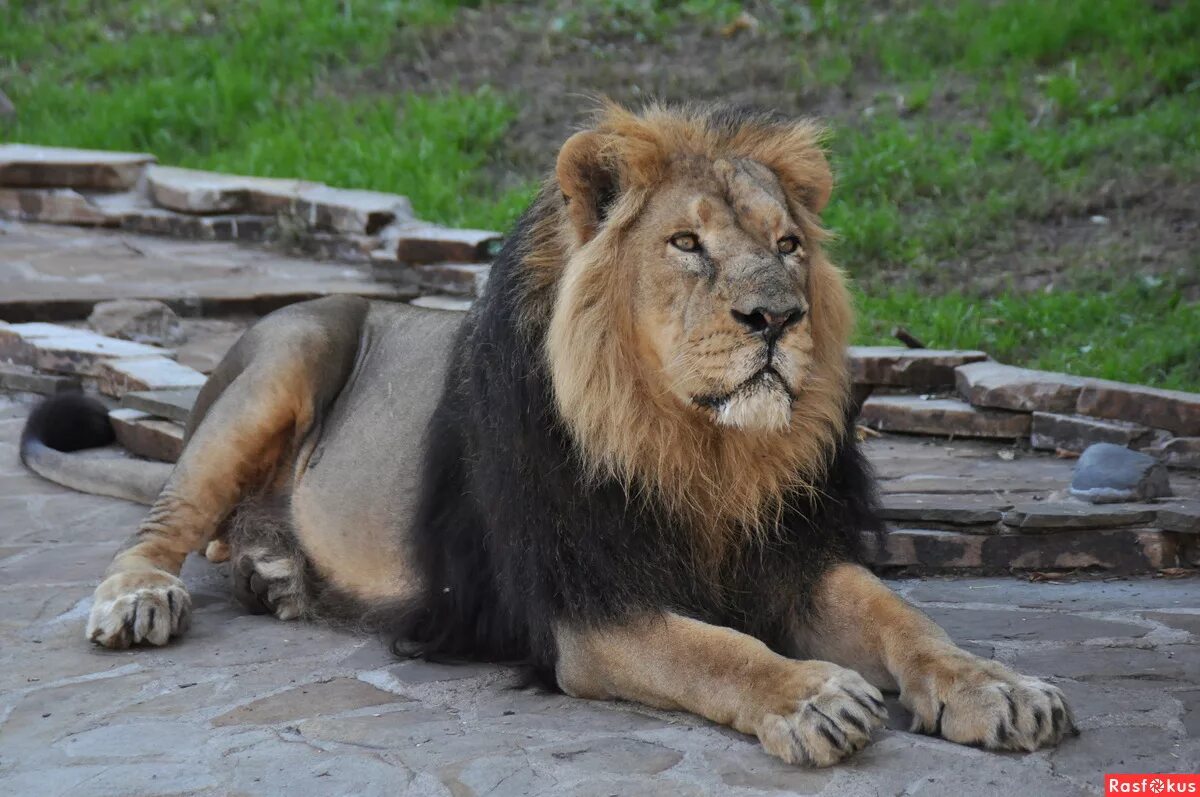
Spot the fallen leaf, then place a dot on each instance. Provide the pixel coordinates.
(744, 21)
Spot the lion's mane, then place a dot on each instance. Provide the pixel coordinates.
(558, 487)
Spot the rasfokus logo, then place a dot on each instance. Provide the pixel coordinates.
(1151, 784)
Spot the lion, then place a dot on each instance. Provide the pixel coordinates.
(631, 466)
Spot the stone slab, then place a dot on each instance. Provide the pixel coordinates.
(1178, 452)
(51, 273)
(455, 304)
(193, 191)
(1121, 551)
(929, 549)
(430, 243)
(26, 379)
(331, 696)
(236, 227)
(62, 349)
(1045, 516)
(350, 210)
(147, 436)
(174, 405)
(992, 384)
(454, 279)
(924, 369)
(53, 206)
(951, 509)
(145, 321)
(1058, 432)
(1180, 516)
(1174, 410)
(945, 417)
(173, 720)
(29, 166)
(118, 377)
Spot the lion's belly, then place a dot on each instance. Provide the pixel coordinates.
(357, 476)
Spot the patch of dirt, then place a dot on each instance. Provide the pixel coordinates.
(554, 76)
(1149, 230)
(1150, 225)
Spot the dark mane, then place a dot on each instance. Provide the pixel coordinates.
(510, 537)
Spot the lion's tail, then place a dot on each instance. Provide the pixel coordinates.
(70, 422)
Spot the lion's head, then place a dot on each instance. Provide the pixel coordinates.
(696, 334)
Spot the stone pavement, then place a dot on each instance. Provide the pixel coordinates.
(250, 705)
(48, 273)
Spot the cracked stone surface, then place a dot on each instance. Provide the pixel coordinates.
(252, 706)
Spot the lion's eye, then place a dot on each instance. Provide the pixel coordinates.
(788, 244)
(686, 242)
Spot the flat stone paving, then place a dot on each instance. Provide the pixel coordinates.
(250, 705)
(49, 272)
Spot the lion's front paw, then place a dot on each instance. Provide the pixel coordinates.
(974, 701)
(143, 606)
(828, 723)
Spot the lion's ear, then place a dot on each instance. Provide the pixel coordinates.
(588, 180)
(794, 152)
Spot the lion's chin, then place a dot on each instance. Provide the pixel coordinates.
(762, 403)
(764, 409)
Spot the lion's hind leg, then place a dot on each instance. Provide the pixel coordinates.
(268, 568)
(260, 402)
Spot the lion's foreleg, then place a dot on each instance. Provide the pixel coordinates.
(858, 622)
(807, 712)
(245, 432)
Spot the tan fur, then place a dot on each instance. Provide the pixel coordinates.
(621, 414)
(951, 692)
(674, 662)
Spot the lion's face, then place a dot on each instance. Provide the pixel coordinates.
(695, 332)
(720, 298)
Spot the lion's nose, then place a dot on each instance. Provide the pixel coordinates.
(768, 321)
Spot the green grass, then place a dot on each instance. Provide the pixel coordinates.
(1144, 331)
(967, 120)
(251, 87)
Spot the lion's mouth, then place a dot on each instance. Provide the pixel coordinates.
(765, 378)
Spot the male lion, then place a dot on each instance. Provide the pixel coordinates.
(631, 465)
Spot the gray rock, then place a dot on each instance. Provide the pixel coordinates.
(1108, 473)
(140, 320)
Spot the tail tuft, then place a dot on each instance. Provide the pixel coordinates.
(67, 422)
